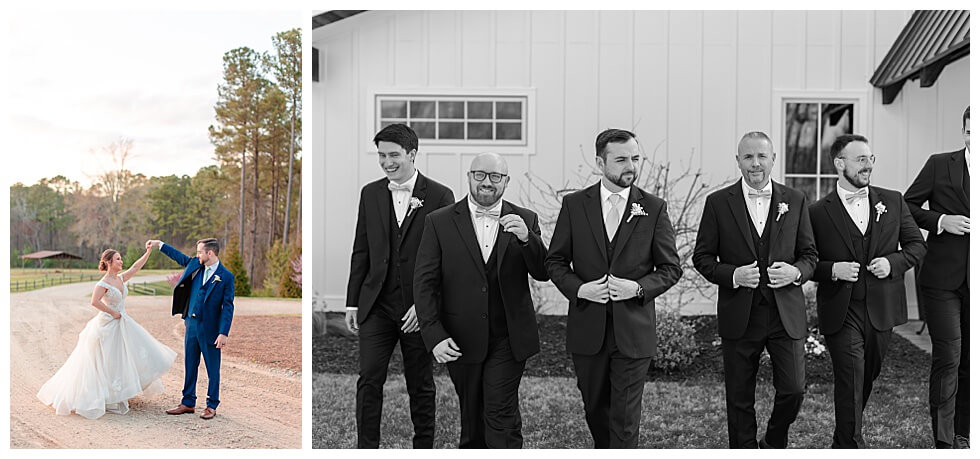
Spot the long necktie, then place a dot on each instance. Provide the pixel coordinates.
(207, 274)
(613, 217)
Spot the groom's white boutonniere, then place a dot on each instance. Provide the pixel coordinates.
(217, 278)
(414, 204)
(781, 209)
(880, 209)
(636, 210)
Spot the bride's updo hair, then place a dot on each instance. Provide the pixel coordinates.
(106, 258)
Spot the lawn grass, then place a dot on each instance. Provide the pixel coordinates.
(682, 409)
(675, 415)
(28, 279)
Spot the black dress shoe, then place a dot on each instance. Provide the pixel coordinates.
(943, 445)
(764, 445)
(962, 442)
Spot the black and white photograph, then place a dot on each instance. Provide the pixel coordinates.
(640, 229)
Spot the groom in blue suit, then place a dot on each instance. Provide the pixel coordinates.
(204, 298)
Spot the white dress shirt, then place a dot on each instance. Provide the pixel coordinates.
(400, 199)
(604, 195)
(485, 227)
(758, 206)
(859, 210)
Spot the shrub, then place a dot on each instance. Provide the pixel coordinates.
(232, 259)
(676, 346)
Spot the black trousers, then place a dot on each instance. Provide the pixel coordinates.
(741, 356)
(489, 414)
(612, 391)
(378, 335)
(948, 316)
(856, 351)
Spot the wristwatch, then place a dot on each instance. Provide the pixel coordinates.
(639, 291)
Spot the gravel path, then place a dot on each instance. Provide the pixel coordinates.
(261, 397)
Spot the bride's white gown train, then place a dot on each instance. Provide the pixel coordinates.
(114, 360)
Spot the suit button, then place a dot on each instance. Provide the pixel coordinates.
(385, 260)
(847, 286)
(483, 316)
(484, 289)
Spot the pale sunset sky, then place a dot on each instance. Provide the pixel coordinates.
(78, 80)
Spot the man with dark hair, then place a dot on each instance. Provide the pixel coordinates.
(612, 254)
(205, 299)
(756, 244)
(380, 302)
(944, 182)
(866, 240)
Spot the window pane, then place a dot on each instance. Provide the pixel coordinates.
(508, 131)
(479, 130)
(808, 185)
(393, 109)
(450, 130)
(801, 138)
(386, 123)
(424, 129)
(423, 109)
(480, 110)
(837, 120)
(508, 110)
(451, 110)
(826, 186)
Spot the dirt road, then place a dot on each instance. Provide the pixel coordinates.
(261, 405)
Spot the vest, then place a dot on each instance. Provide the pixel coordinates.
(391, 298)
(196, 297)
(496, 315)
(862, 245)
(763, 292)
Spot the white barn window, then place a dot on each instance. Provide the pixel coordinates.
(457, 119)
(810, 128)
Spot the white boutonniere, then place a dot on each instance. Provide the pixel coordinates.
(217, 278)
(414, 204)
(636, 210)
(880, 209)
(782, 208)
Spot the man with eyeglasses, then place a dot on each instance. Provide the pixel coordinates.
(474, 301)
(381, 310)
(612, 254)
(866, 240)
(944, 182)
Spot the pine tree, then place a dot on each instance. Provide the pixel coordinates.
(232, 259)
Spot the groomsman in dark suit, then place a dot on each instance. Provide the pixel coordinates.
(866, 240)
(380, 305)
(611, 254)
(474, 301)
(944, 182)
(756, 244)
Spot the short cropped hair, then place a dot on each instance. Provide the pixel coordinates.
(611, 136)
(401, 134)
(841, 142)
(210, 244)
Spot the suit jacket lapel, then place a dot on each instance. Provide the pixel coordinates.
(736, 203)
(384, 205)
(464, 224)
(874, 221)
(503, 238)
(957, 164)
(627, 225)
(840, 218)
(593, 213)
(774, 218)
(418, 192)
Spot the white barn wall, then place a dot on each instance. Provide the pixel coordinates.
(685, 81)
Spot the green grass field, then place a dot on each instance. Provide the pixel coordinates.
(27, 279)
(675, 415)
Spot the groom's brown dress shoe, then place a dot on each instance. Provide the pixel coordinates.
(181, 409)
(208, 413)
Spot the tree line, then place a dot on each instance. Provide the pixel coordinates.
(250, 199)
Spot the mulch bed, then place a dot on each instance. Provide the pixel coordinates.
(336, 352)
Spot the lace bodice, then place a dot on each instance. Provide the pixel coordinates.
(114, 298)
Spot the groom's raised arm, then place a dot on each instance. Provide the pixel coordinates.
(174, 254)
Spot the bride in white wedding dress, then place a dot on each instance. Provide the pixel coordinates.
(115, 358)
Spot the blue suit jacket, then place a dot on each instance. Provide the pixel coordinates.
(219, 295)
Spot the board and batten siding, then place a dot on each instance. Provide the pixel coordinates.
(688, 83)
